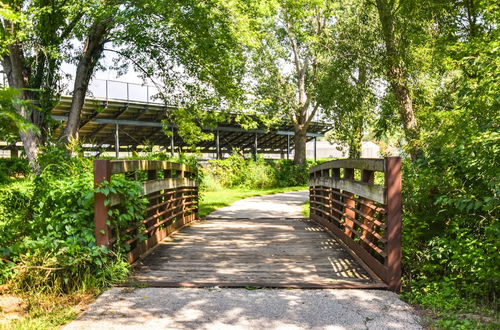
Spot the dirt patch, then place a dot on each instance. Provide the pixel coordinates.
(11, 307)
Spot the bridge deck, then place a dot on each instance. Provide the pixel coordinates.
(295, 253)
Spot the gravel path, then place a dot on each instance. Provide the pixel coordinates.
(214, 308)
(284, 205)
(164, 308)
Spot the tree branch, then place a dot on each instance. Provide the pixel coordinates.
(157, 85)
(311, 116)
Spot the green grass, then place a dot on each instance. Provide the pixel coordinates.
(305, 209)
(213, 200)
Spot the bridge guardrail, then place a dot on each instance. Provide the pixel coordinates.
(359, 200)
(173, 202)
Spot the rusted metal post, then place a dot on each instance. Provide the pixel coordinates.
(335, 194)
(311, 191)
(393, 183)
(102, 172)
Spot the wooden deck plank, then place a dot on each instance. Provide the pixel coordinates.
(252, 252)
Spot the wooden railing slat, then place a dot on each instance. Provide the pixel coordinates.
(124, 166)
(371, 164)
(370, 191)
(153, 186)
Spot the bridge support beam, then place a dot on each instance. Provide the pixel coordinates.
(102, 172)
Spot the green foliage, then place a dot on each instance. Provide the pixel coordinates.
(237, 171)
(47, 229)
(11, 122)
(130, 211)
(452, 232)
(451, 227)
(13, 167)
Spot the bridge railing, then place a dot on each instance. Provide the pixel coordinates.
(172, 195)
(359, 200)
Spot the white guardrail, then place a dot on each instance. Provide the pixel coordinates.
(123, 91)
(112, 90)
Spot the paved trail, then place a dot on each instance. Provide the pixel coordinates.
(285, 205)
(215, 308)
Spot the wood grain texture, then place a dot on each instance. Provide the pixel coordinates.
(253, 252)
(372, 164)
(123, 166)
(153, 186)
(370, 191)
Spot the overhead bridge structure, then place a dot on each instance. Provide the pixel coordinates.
(122, 117)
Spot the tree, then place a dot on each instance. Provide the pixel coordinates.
(347, 87)
(287, 64)
(395, 67)
(167, 39)
(97, 36)
(35, 35)
(193, 50)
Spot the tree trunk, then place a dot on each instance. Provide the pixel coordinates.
(397, 78)
(14, 67)
(300, 140)
(89, 58)
(355, 144)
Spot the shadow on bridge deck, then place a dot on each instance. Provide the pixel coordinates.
(282, 253)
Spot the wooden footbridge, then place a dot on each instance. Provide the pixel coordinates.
(352, 240)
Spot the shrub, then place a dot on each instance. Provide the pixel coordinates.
(13, 167)
(451, 230)
(47, 229)
(238, 172)
(287, 174)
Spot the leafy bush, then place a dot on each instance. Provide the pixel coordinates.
(236, 171)
(13, 167)
(287, 174)
(451, 229)
(47, 228)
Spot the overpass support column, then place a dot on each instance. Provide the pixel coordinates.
(117, 141)
(315, 149)
(217, 145)
(255, 146)
(288, 147)
(172, 142)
